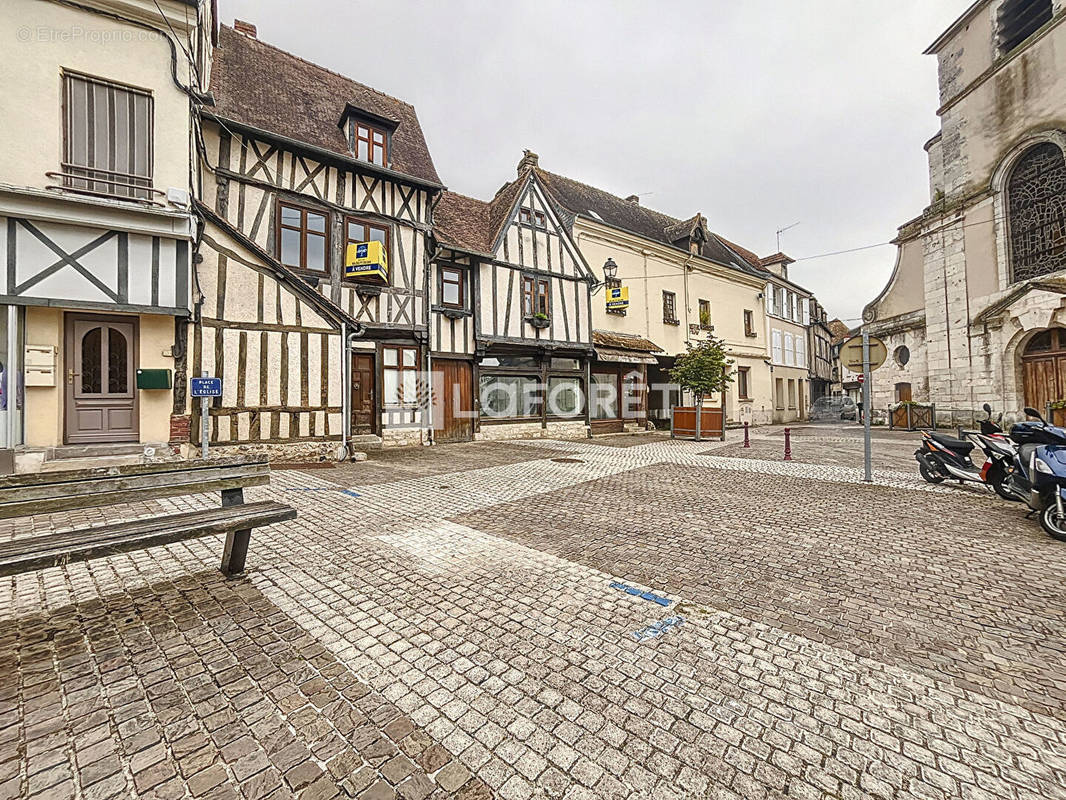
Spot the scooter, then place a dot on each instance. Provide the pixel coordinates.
(1039, 471)
(941, 456)
(999, 454)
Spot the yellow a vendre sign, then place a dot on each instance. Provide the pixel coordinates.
(618, 297)
(366, 260)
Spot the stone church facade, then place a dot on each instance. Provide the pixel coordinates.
(975, 309)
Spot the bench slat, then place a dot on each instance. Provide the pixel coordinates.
(104, 490)
(39, 552)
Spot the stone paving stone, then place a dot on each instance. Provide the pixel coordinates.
(433, 638)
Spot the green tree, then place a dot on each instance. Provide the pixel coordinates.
(704, 369)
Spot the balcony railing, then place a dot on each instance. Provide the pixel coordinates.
(105, 183)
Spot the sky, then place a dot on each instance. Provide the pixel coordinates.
(759, 114)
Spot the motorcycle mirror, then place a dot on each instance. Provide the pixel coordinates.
(1032, 412)
(987, 408)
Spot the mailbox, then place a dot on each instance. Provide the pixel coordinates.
(153, 379)
(40, 364)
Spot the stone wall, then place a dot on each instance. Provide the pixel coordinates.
(533, 430)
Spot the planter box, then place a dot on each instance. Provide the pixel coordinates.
(683, 423)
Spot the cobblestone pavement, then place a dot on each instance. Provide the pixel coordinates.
(467, 632)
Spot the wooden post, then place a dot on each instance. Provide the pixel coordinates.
(788, 444)
(747, 441)
(236, 551)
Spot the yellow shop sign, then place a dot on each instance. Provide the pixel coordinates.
(618, 298)
(366, 260)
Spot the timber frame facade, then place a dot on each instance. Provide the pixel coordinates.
(522, 338)
(278, 319)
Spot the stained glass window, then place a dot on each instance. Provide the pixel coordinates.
(1036, 199)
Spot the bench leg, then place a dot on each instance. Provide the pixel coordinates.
(233, 557)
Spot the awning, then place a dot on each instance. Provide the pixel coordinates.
(618, 356)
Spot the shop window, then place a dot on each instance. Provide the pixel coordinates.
(565, 398)
(509, 396)
(400, 376)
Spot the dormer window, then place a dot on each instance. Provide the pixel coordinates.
(369, 143)
(528, 216)
(1020, 19)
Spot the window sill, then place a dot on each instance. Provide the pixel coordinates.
(671, 322)
(752, 335)
(453, 313)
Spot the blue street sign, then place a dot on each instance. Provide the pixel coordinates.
(205, 387)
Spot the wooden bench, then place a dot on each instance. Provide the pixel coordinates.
(51, 492)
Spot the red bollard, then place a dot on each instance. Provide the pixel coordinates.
(788, 444)
(747, 441)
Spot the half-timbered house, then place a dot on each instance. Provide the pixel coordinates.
(510, 321)
(313, 269)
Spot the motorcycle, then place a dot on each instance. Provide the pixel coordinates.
(1038, 475)
(941, 456)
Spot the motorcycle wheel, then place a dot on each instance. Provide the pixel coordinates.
(1052, 523)
(995, 478)
(929, 476)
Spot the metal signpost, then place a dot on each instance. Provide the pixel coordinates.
(863, 355)
(205, 388)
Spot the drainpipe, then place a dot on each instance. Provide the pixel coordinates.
(429, 392)
(647, 297)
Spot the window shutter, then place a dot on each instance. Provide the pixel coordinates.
(108, 138)
(801, 352)
(789, 353)
(769, 296)
(777, 347)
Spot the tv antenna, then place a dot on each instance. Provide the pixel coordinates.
(790, 227)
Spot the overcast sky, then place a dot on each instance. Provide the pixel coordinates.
(758, 114)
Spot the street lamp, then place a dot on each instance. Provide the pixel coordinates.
(610, 269)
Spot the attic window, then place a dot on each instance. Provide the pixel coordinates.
(1020, 19)
(528, 216)
(368, 142)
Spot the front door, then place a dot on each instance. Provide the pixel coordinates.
(101, 399)
(606, 401)
(363, 416)
(453, 407)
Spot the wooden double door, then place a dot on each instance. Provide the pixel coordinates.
(1044, 368)
(100, 387)
(618, 395)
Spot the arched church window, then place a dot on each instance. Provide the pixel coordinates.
(1020, 19)
(1036, 208)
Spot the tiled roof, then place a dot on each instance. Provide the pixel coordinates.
(462, 222)
(776, 258)
(624, 341)
(839, 330)
(260, 86)
(596, 204)
(470, 224)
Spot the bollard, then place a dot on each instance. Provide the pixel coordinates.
(747, 441)
(788, 444)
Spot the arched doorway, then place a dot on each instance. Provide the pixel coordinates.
(101, 398)
(1044, 368)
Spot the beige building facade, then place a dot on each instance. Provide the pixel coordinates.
(973, 310)
(683, 283)
(96, 225)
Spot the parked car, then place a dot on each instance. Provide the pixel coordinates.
(834, 408)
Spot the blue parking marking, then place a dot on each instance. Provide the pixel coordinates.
(640, 593)
(657, 629)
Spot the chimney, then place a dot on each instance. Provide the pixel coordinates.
(247, 28)
(530, 160)
(633, 199)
